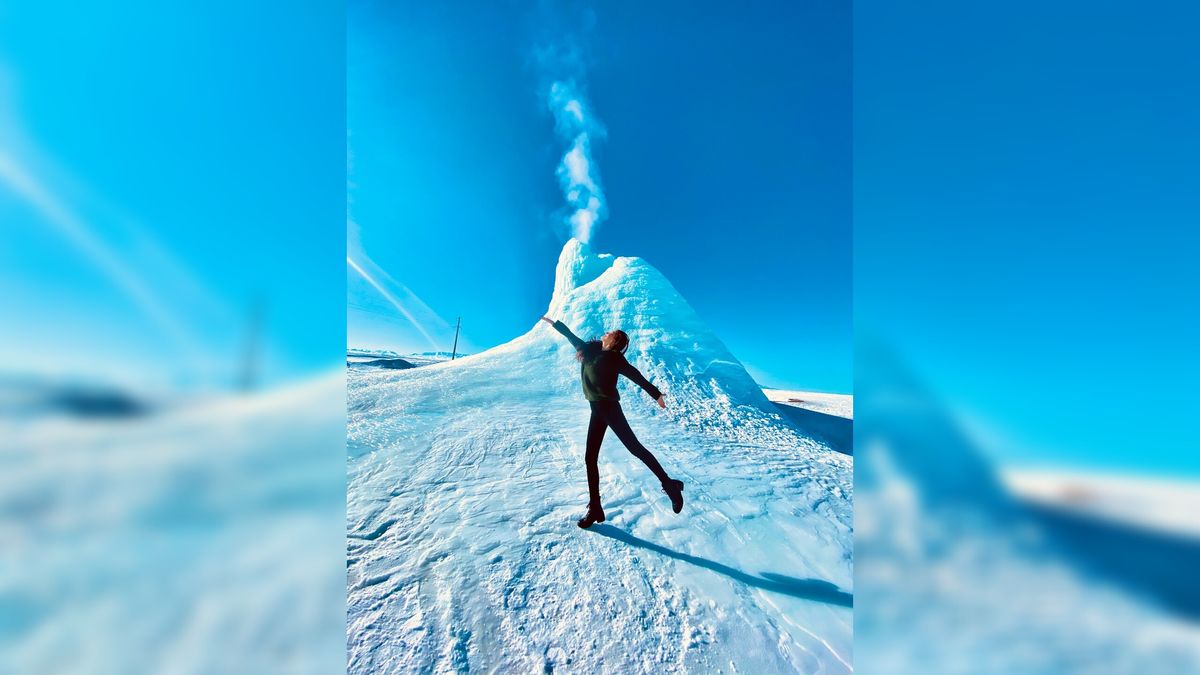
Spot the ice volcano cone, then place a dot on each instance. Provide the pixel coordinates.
(597, 292)
(466, 478)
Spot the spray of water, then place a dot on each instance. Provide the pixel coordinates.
(578, 174)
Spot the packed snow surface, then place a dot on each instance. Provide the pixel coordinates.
(466, 478)
(202, 539)
(1160, 504)
(838, 405)
(955, 576)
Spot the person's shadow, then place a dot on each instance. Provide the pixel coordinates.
(808, 589)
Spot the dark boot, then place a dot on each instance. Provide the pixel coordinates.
(595, 514)
(674, 490)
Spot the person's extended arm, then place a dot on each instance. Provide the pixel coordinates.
(566, 332)
(640, 380)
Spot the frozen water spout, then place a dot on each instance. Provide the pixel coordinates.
(577, 265)
(597, 292)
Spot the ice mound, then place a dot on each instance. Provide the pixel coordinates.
(466, 477)
(707, 386)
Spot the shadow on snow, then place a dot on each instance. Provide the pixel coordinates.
(807, 589)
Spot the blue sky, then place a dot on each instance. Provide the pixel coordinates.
(1025, 213)
(164, 166)
(1025, 220)
(726, 164)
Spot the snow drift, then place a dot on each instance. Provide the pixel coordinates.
(957, 577)
(138, 544)
(465, 479)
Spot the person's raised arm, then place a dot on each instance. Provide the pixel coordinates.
(566, 332)
(640, 380)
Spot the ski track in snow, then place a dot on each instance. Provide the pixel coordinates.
(466, 478)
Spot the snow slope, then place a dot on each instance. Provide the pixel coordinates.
(838, 405)
(465, 480)
(137, 545)
(955, 576)
(1168, 506)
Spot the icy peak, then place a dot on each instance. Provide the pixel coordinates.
(577, 265)
(598, 292)
(668, 342)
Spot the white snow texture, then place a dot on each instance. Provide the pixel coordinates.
(200, 539)
(466, 478)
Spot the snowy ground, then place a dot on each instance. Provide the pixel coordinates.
(828, 418)
(358, 356)
(838, 405)
(465, 480)
(136, 545)
(955, 576)
(1163, 505)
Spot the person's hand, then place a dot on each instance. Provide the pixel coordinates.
(662, 402)
(548, 320)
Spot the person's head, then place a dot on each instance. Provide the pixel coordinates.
(615, 341)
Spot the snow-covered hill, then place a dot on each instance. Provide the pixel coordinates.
(956, 576)
(203, 538)
(466, 477)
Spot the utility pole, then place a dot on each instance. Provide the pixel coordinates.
(456, 325)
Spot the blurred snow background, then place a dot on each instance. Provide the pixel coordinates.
(171, 395)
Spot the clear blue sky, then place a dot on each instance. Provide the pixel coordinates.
(193, 152)
(726, 165)
(1026, 219)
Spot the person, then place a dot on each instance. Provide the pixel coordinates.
(601, 362)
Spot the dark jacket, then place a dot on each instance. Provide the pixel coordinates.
(600, 369)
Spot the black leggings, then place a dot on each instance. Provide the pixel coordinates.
(605, 415)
